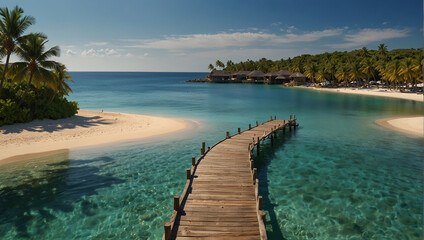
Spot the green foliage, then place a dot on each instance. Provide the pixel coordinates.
(37, 104)
(361, 65)
(10, 113)
(32, 88)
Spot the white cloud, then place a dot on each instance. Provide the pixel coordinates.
(128, 55)
(384, 23)
(237, 39)
(291, 28)
(145, 54)
(99, 53)
(276, 24)
(69, 52)
(96, 44)
(369, 35)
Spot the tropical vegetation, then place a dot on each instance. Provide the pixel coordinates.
(34, 86)
(357, 68)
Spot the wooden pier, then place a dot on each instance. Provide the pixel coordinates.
(220, 199)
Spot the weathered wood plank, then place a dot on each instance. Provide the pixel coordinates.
(221, 200)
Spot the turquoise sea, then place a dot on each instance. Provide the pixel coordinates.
(339, 176)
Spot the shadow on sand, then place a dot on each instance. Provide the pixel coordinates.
(29, 197)
(49, 125)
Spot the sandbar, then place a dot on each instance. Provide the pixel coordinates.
(410, 125)
(380, 92)
(87, 128)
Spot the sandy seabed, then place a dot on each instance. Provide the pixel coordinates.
(87, 128)
(408, 125)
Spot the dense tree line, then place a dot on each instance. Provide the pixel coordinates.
(34, 86)
(360, 67)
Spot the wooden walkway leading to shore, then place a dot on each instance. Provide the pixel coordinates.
(220, 199)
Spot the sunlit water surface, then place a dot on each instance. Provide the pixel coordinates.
(339, 176)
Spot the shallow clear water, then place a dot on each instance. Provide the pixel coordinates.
(339, 176)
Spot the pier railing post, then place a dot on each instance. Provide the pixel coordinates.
(193, 161)
(167, 229)
(263, 215)
(238, 130)
(228, 134)
(258, 146)
(188, 172)
(260, 201)
(255, 175)
(271, 117)
(250, 126)
(176, 203)
(256, 123)
(203, 148)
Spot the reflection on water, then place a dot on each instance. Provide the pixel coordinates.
(33, 192)
(339, 176)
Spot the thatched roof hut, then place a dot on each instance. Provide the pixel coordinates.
(271, 74)
(284, 73)
(256, 76)
(240, 75)
(218, 75)
(298, 78)
(270, 77)
(297, 75)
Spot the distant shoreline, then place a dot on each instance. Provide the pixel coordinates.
(87, 128)
(379, 92)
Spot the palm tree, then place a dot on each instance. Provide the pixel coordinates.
(368, 69)
(342, 73)
(364, 52)
(219, 64)
(355, 73)
(59, 85)
(392, 72)
(211, 67)
(383, 71)
(322, 74)
(311, 71)
(35, 63)
(331, 68)
(12, 26)
(407, 72)
(382, 51)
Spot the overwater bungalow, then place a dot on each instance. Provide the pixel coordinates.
(270, 78)
(283, 77)
(219, 76)
(298, 78)
(239, 76)
(255, 77)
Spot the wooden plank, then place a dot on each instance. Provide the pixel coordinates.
(253, 237)
(217, 219)
(221, 202)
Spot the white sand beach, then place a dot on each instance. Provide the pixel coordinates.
(375, 92)
(413, 125)
(87, 128)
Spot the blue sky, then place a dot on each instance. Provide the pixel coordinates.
(187, 35)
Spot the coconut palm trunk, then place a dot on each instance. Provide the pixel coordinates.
(6, 65)
(26, 90)
(52, 98)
